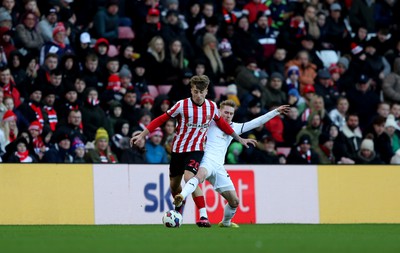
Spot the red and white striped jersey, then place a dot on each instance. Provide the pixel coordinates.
(193, 122)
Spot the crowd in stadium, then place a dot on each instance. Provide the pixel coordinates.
(79, 78)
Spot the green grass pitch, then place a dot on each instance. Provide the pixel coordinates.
(365, 238)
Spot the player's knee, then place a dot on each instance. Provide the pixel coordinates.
(234, 202)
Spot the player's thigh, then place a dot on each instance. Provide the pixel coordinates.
(192, 161)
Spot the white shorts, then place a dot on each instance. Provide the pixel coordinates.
(217, 175)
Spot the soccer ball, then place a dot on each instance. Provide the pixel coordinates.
(172, 219)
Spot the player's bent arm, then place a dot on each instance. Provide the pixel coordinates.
(247, 126)
(157, 122)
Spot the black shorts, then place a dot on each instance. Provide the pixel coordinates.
(185, 161)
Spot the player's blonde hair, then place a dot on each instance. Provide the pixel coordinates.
(228, 102)
(200, 82)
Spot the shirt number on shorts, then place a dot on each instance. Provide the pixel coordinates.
(193, 164)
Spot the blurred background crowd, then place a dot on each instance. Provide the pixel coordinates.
(79, 78)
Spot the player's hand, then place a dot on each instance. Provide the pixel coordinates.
(134, 140)
(283, 109)
(246, 142)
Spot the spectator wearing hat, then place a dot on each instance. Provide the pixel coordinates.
(325, 149)
(68, 102)
(114, 91)
(265, 152)
(363, 100)
(105, 22)
(295, 100)
(254, 95)
(148, 28)
(49, 97)
(336, 33)
(82, 47)
(345, 81)
(155, 152)
(273, 94)
(393, 130)
(93, 115)
(229, 60)
(367, 154)
(48, 23)
(147, 101)
(391, 84)
(231, 94)
(6, 45)
(78, 150)
(292, 80)
(140, 86)
(325, 88)
(20, 152)
(306, 68)
(101, 152)
(56, 45)
(32, 108)
(60, 151)
(101, 48)
(8, 130)
(8, 85)
(6, 19)
(35, 130)
(302, 153)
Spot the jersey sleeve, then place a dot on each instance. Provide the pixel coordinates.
(176, 109)
(247, 126)
(216, 111)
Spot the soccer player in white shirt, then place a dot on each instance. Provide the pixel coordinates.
(212, 164)
(194, 116)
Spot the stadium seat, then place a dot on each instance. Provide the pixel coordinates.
(153, 90)
(219, 90)
(164, 89)
(283, 150)
(125, 32)
(112, 51)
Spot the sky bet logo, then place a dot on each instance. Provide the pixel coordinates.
(243, 181)
(159, 196)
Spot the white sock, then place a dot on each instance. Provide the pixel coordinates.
(229, 212)
(203, 212)
(189, 187)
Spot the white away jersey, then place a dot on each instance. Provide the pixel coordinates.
(218, 141)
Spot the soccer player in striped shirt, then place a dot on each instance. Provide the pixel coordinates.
(212, 164)
(194, 116)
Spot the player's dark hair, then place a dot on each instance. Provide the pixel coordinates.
(200, 82)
